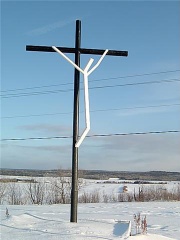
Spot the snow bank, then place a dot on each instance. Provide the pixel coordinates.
(95, 221)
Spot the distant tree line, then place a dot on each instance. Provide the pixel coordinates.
(58, 191)
(97, 174)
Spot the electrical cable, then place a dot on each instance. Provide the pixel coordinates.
(91, 136)
(96, 110)
(95, 80)
(90, 88)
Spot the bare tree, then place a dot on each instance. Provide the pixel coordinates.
(14, 194)
(3, 187)
(93, 197)
(59, 189)
(62, 187)
(36, 192)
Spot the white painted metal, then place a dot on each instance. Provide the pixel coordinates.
(97, 64)
(86, 103)
(68, 59)
(86, 89)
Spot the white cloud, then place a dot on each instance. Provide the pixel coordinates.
(134, 153)
(121, 153)
(48, 129)
(49, 27)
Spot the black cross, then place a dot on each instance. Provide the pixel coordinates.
(77, 51)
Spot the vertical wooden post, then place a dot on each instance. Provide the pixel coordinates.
(74, 190)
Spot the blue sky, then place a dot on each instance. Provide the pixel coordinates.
(148, 30)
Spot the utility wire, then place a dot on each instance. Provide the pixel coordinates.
(90, 88)
(135, 75)
(91, 136)
(138, 83)
(95, 80)
(96, 110)
(37, 87)
(25, 94)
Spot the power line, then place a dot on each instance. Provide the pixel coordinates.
(135, 75)
(37, 115)
(134, 133)
(90, 88)
(91, 136)
(43, 86)
(95, 80)
(96, 110)
(136, 107)
(138, 83)
(35, 93)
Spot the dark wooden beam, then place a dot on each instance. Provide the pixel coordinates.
(72, 50)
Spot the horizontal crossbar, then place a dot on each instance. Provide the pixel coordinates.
(73, 50)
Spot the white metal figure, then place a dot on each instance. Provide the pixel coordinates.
(85, 73)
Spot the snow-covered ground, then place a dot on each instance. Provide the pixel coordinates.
(95, 220)
(115, 187)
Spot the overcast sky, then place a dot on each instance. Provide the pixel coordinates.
(138, 93)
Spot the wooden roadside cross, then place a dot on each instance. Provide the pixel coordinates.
(77, 50)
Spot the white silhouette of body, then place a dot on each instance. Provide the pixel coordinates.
(86, 73)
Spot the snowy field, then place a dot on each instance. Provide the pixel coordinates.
(95, 220)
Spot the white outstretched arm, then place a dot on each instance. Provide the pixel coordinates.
(68, 59)
(97, 64)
